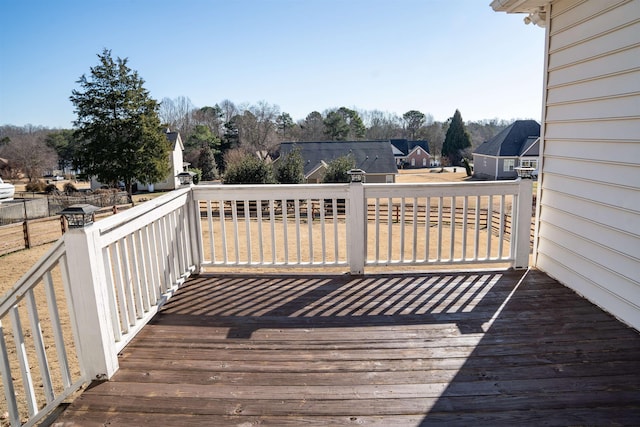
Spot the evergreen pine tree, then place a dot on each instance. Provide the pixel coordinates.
(207, 163)
(118, 126)
(456, 140)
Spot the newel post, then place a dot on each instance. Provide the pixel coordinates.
(356, 223)
(523, 223)
(90, 303)
(195, 231)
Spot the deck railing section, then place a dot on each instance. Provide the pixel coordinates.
(36, 352)
(274, 225)
(448, 223)
(364, 225)
(104, 282)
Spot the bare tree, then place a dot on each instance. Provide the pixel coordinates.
(176, 113)
(381, 125)
(257, 127)
(229, 110)
(29, 154)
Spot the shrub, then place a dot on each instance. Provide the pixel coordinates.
(290, 168)
(337, 169)
(248, 170)
(35, 186)
(69, 188)
(51, 189)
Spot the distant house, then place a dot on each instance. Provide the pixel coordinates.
(411, 154)
(176, 164)
(517, 145)
(374, 157)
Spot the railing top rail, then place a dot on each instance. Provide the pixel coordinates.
(268, 191)
(478, 188)
(31, 277)
(108, 224)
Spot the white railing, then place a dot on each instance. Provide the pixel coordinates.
(364, 225)
(115, 274)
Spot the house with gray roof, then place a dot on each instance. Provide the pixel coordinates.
(516, 146)
(411, 154)
(374, 157)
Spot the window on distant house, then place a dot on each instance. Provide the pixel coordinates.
(419, 152)
(509, 164)
(528, 163)
(413, 162)
(424, 161)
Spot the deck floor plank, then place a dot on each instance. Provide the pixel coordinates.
(401, 350)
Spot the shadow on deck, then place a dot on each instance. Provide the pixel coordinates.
(402, 350)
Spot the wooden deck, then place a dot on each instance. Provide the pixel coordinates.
(393, 350)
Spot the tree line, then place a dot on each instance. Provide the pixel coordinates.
(119, 131)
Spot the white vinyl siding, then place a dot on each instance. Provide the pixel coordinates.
(589, 223)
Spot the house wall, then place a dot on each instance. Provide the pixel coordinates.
(484, 167)
(176, 161)
(421, 160)
(589, 213)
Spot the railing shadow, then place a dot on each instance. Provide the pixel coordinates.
(248, 303)
(547, 357)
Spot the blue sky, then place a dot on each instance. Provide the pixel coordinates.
(302, 55)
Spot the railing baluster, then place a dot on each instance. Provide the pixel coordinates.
(415, 229)
(212, 238)
(389, 229)
(377, 226)
(465, 216)
(452, 236)
(501, 231)
(122, 294)
(439, 252)
(223, 232)
(489, 226)
(58, 337)
(401, 218)
(427, 228)
(7, 381)
(134, 281)
(296, 215)
(247, 230)
(285, 231)
(260, 234)
(112, 294)
(310, 229)
(38, 341)
(476, 243)
(149, 260)
(336, 249)
(323, 231)
(236, 234)
(23, 361)
(272, 223)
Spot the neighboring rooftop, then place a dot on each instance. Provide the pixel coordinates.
(373, 157)
(513, 140)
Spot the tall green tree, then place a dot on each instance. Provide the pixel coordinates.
(207, 164)
(65, 144)
(413, 120)
(456, 140)
(284, 122)
(118, 124)
(343, 124)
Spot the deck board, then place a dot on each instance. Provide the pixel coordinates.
(401, 350)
